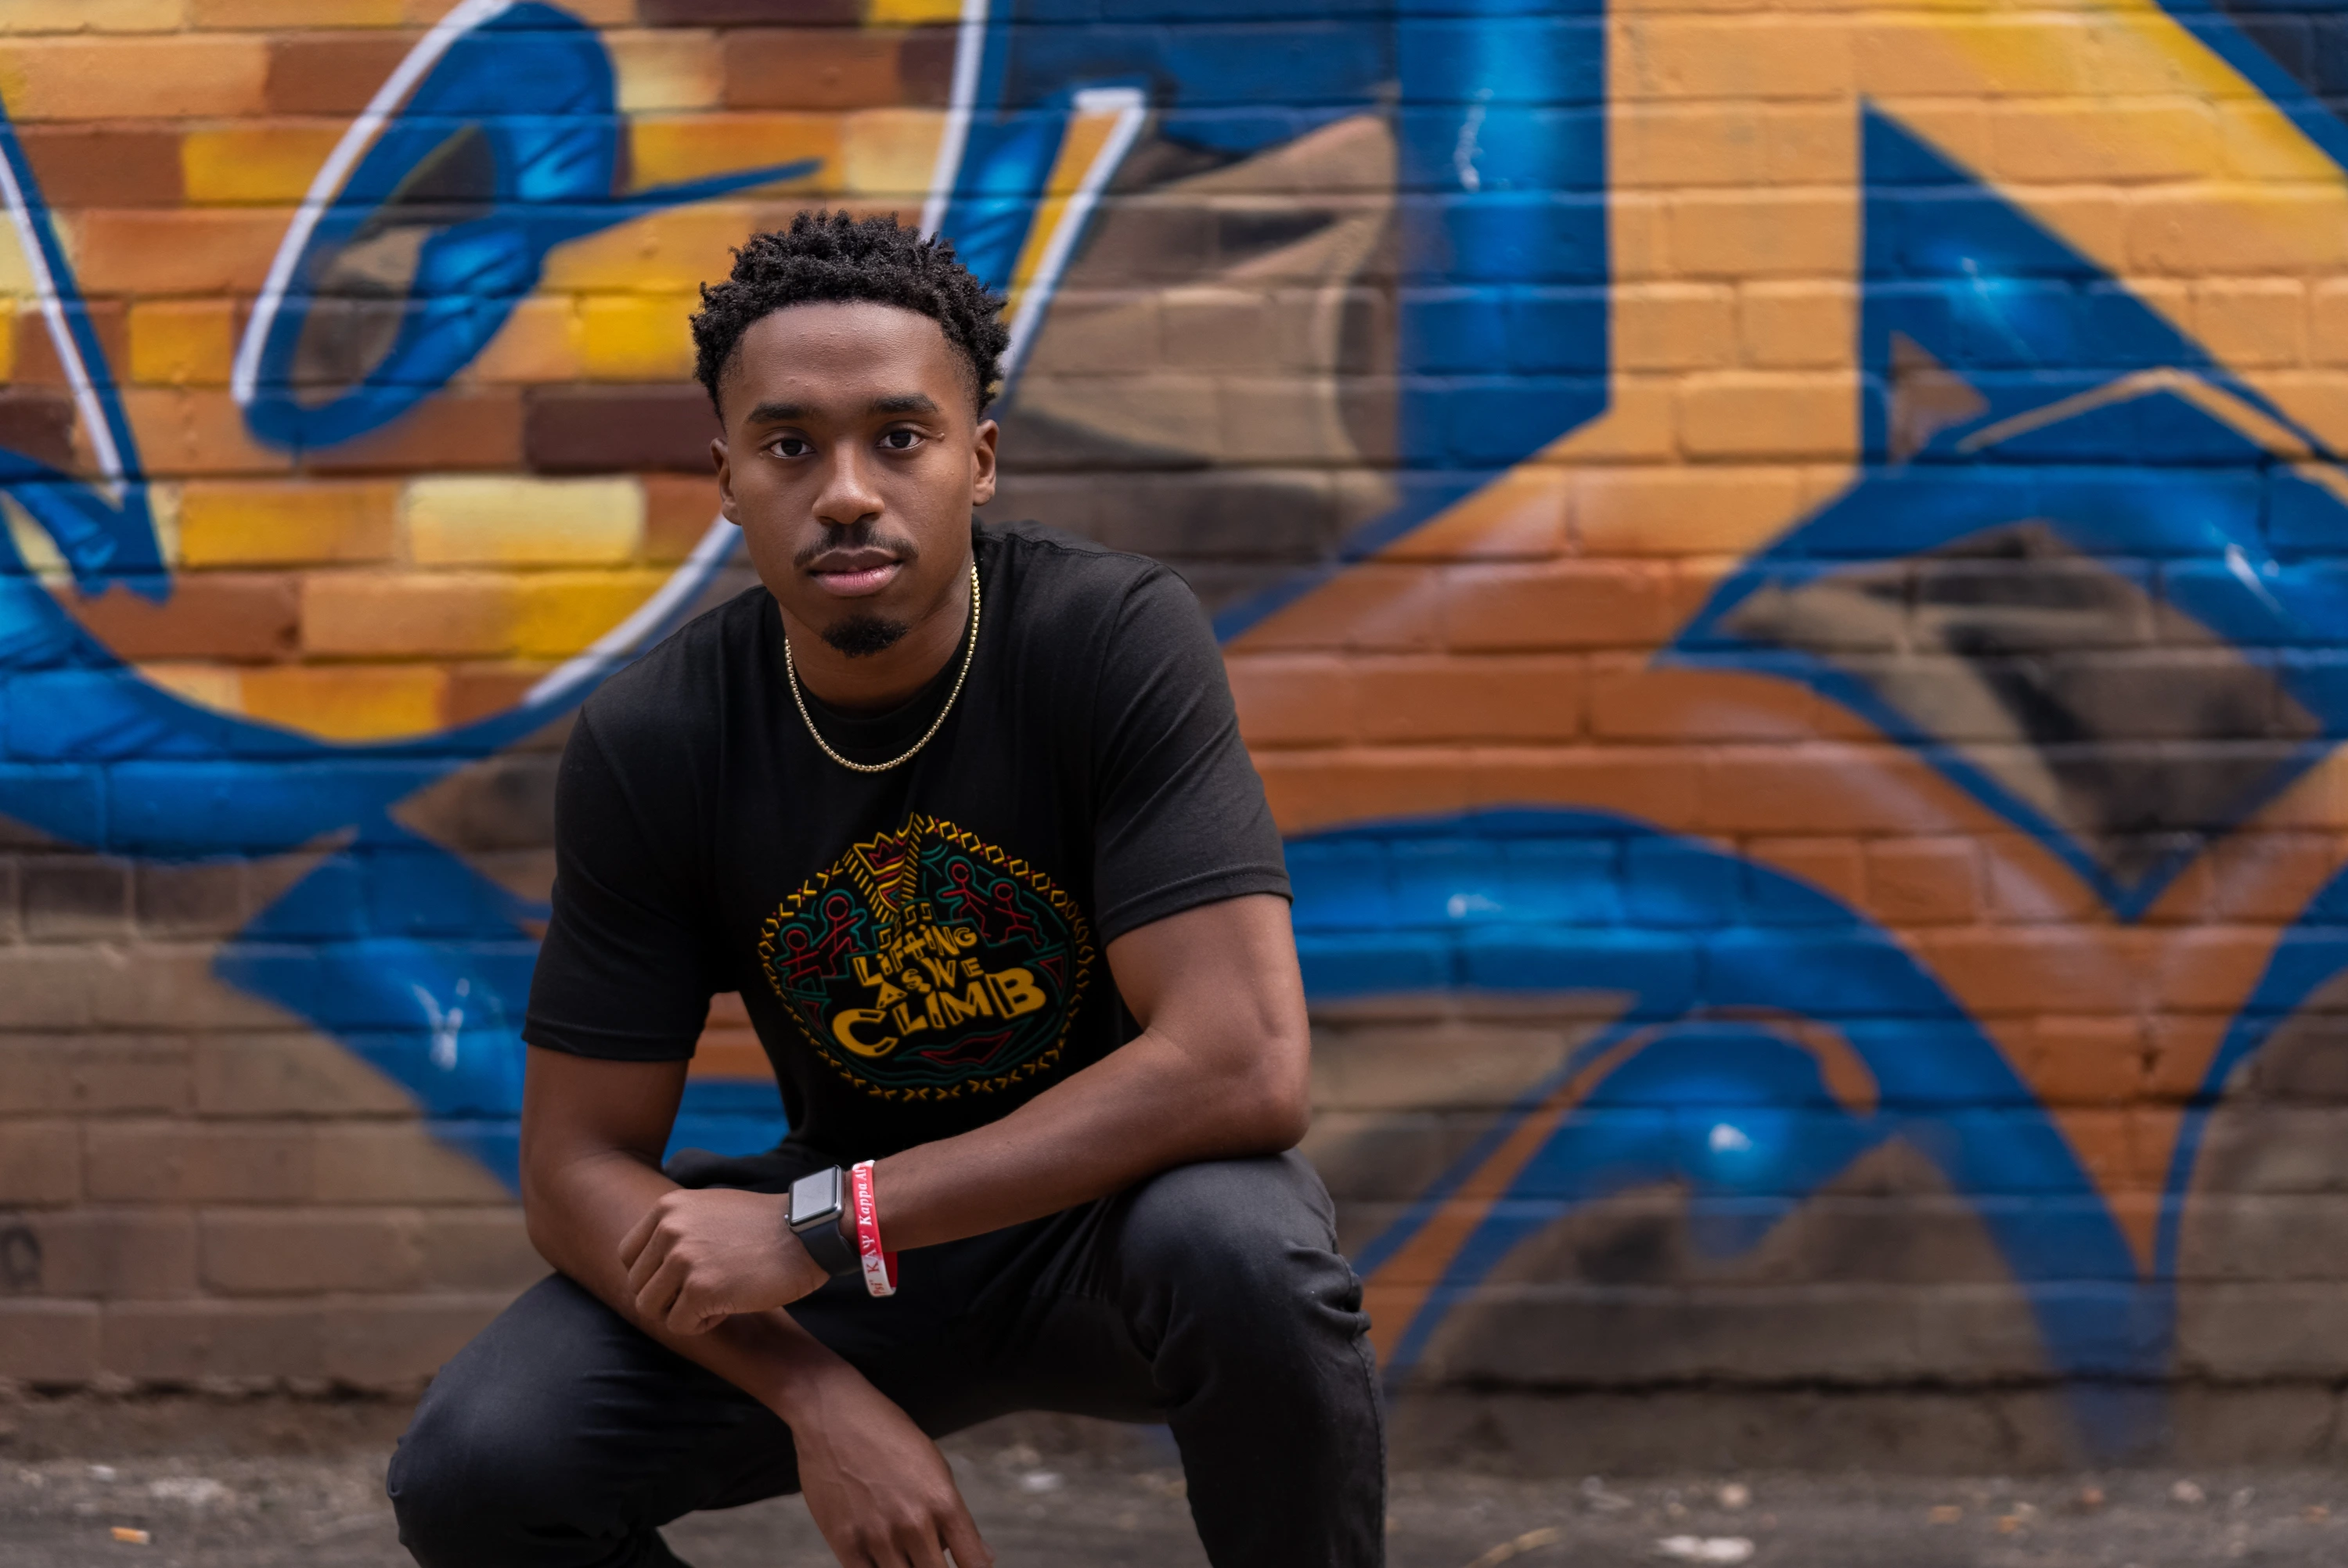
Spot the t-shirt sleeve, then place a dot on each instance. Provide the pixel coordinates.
(1182, 819)
(624, 972)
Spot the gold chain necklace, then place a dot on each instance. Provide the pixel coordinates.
(791, 673)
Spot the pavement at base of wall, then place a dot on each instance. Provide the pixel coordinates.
(275, 1482)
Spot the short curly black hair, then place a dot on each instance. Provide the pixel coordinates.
(828, 256)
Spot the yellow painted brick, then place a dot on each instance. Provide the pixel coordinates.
(694, 146)
(1763, 233)
(1658, 145)
(910, 13)
(559, 614)
(469, 520)
(406, 615)
(1777, 56)
(667, 68)
(182, 343)
(2237, 230)
(265, 14)
(539, 343)
(1681, 511)
(1674, 326)
(669, 251)
(2327, 322)
(346, 703)
(890, 152)
(1750, 414)
(7, 338)
(245, 164)
(225, 524)
(2253, 322)
(1786, 326)
(1968, 56)
(212, 686)
(92, 15)
(636, 337)
(2096, 141)
(134, 77)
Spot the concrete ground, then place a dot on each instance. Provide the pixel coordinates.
(275, 1483)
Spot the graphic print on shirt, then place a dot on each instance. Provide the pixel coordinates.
(926, 964)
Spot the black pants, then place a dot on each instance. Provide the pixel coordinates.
(1211, 1297)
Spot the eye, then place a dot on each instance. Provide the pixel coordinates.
(901, 440)
(788, 446)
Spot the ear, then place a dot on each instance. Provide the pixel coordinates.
(981, 463)
(717, 455)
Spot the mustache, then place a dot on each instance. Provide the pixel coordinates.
(862, 536)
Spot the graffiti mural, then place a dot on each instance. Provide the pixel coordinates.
(1781, 568)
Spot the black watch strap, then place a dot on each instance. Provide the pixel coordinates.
(817, 1201)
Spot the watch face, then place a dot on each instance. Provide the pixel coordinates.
(815, 1198)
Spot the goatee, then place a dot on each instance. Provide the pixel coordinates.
(860, 636)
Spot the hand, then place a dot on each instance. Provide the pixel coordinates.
(876, 1487)
(697, 1257)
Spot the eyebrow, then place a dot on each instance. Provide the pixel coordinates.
(896, 402)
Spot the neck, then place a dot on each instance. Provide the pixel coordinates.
(877, 681)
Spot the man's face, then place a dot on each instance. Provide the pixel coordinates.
(851, 459)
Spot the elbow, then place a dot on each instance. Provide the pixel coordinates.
(1274, 1109)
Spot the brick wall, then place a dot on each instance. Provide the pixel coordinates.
(1780, 565)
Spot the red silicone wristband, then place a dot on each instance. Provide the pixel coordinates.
(880, 1263)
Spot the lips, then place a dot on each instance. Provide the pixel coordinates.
(853, 574)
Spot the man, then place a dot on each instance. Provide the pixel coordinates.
(964, 813)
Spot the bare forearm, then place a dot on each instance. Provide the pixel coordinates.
(1147, 1108)
(578, 1214)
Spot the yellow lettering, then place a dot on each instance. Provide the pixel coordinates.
(971, 971)
(867, 972)
(950, 1009)
(845, 1024)
(1019, 992)
(907, 1021)
(941, 969)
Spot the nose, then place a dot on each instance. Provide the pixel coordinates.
(849, 494)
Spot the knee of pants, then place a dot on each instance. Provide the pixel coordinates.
(463, 1481)
(1243, 1246)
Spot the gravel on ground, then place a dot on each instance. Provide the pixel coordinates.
(278, 1482)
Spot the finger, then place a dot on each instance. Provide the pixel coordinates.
(962, 1539)
(638, 1234)
(659, 1293)
(926, 1550)
(693, 1312)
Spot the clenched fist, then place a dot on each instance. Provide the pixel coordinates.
(697, 1257)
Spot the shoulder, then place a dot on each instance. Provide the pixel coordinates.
(676, 689)
(1072, 581)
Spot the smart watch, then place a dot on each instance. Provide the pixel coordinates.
(816, 1203)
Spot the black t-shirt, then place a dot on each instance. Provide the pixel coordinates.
(921, 950)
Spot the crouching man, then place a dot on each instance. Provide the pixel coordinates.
(962, 813)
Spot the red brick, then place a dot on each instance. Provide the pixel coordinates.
(48, 1343)
(1923, 881)
(1656, 783)
(1834, 866)
(399, 1344)
(104, 166)
(740, 12)
(1500, 698)
(40, 1163)
(678, 512)
(300, 1251)
(925, 67)
(1316, 789)
(242, 616)
(178, 1162)
(118, 1255)
(2073, 1059)
(479, 690)
(40, 424)
(181, 1341)
(459, 427)
(2008, 970)
(37, 354)
(479, 1249)
(175, 250)
(1566, 604)
(1813, 788)
(1287, 700)
(811, 69)
(329, 75)
(577, 430)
